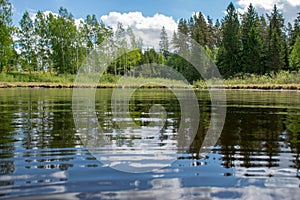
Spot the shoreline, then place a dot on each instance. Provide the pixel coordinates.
(111, 85)
(72, 85)
(262, 87)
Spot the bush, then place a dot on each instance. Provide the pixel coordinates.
(280, 78)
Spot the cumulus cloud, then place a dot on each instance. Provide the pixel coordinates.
(33, 14)
(146, 28)
(289, 8)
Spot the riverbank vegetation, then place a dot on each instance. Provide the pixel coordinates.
(280, 80)
(247, 48)
(47, 80)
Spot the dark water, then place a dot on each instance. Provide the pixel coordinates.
(257, 155)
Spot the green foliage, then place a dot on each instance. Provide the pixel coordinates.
(164, 41)
(54, 47)
(276, 41)
(36, 77)
(228, 59)
(295, 55)
(248, 80)
(199, 29)
(63, 34)
(152, 82)
(27, 43)
(43, 45)
(6, 43)
(294, 31)
(103, 80)
(126, 63)
(282, 77)
(252, 46)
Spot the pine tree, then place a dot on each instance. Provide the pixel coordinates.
(211, 34)
(180, 42)
(217, 32)
(276, 55)
(252, 46)
(228, 59)
(181, 46)
(164, 41)
(294, 32)
(184, 49)
(199, 29)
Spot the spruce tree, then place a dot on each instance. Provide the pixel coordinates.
(295, 55)
(276, 55)
(228, 59)
(164, 41)
(263, 30)
(181, 44)
(294, 31)
(252, 46)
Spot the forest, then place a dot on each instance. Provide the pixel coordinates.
(239, 44)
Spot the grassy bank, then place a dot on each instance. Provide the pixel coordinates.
(48, 80)
(281, 80)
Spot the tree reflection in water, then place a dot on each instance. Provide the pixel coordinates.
(260, 137)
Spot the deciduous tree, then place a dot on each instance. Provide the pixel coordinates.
(6, 30)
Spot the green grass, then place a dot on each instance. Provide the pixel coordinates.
(280, 80)
(36, 77)
(150, 82)
(18, 79)
(282, 77)
(48, 78)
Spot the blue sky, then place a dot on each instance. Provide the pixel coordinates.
(146, 17)
(79, 8)
(175, 8)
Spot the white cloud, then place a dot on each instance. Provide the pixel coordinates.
(78, 22)
(47, 12)
(289, 8)
(146, 28)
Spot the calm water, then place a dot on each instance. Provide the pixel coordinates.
(42, 155)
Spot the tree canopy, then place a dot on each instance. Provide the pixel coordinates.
(238, 44)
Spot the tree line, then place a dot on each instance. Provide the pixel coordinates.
(238, 44)
(244, 44)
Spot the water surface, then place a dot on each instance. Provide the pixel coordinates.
(42, 155)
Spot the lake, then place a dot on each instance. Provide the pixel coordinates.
(43, 154)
